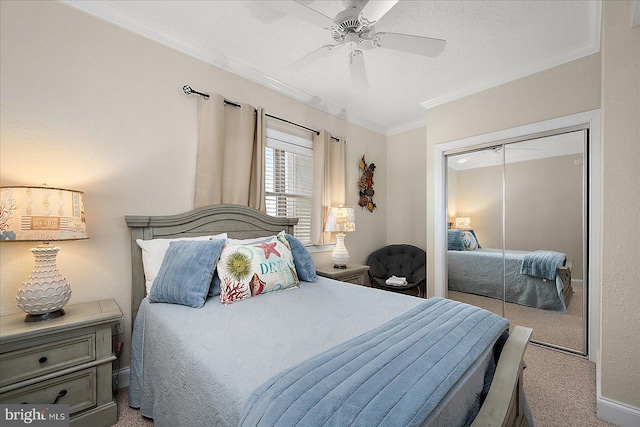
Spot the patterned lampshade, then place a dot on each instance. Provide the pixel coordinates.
(341, 220)
(42, 214)
(463, 222)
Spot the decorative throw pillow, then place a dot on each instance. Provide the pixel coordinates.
(186, 272)
(214, 290)
(469, 240)
(476, 237)
(153, 252)
(249, 269)
(305, 267)
(454, 240)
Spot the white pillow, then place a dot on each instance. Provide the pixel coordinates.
(153, 253)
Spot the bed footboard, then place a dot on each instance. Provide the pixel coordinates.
(565, 275)
(504, 405)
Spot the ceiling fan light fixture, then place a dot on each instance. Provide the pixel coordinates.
(353, 27)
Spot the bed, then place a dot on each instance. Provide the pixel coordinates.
(235, 364)
(479, 271)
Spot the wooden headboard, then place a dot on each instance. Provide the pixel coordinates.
(239, 222)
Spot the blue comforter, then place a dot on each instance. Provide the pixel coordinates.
(395, 374)
(543, 264)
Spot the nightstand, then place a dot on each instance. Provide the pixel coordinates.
(354, 273)
(66, 360)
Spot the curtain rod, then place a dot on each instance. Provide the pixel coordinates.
(187, 90)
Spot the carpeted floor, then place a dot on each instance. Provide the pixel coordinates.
(564, 330)
(561, 389)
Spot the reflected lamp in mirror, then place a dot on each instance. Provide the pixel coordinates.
(42, 214)
(463, 223)
(340, 221)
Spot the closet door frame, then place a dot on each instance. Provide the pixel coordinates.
(594, 151)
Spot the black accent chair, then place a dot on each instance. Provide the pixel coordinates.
(401, 261)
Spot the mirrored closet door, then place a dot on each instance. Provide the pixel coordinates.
(518, 209)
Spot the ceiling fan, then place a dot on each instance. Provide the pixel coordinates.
(353, 27)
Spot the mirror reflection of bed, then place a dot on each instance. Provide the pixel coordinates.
(516, 204)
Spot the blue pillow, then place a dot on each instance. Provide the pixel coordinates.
(214, 290)
(305, 267)
(186, 272)
(454, 240)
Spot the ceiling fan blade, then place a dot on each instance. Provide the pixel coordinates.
(303, 12)
(374, 10)
(426, 46)
(358, 70)
(314, 56)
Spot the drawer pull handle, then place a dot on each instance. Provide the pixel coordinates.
(61, 394)
(43, 359)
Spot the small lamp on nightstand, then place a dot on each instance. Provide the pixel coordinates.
(340, 220)
(42, 214)
(463, 223)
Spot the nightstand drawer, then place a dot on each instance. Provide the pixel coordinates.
(76, 390)
(34, 361)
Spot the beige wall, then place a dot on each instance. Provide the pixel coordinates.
(87, 105)
(407, 207)
(478, 195)
(550, 220)
(620, 327)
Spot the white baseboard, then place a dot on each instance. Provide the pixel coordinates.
(618, 413)
(124, 376)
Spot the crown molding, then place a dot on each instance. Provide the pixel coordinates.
(588, 48)
(406, 127)
(115, 15)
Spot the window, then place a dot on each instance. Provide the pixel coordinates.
(289, 179)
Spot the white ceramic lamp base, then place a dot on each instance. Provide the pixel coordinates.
(340, 255)
(44, 294)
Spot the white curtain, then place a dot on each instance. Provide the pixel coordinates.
(230, 159)
(328, 182)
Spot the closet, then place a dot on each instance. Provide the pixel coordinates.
(520, 207)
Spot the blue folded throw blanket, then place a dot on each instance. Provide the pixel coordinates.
(394, 375)
(543, 264)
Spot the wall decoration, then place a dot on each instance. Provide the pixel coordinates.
(366, 185)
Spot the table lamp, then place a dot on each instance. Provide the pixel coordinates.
(42, 214)
(340, 220)
(463, 222)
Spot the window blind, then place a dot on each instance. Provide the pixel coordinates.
(289, 179)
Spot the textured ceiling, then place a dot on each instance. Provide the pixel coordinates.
(488, 43)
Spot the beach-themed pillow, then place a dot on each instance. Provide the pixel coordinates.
(469, 240)
(254, 267)
(474, 235)
(214, 290)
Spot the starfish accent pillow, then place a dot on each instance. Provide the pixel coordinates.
(253, 267)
